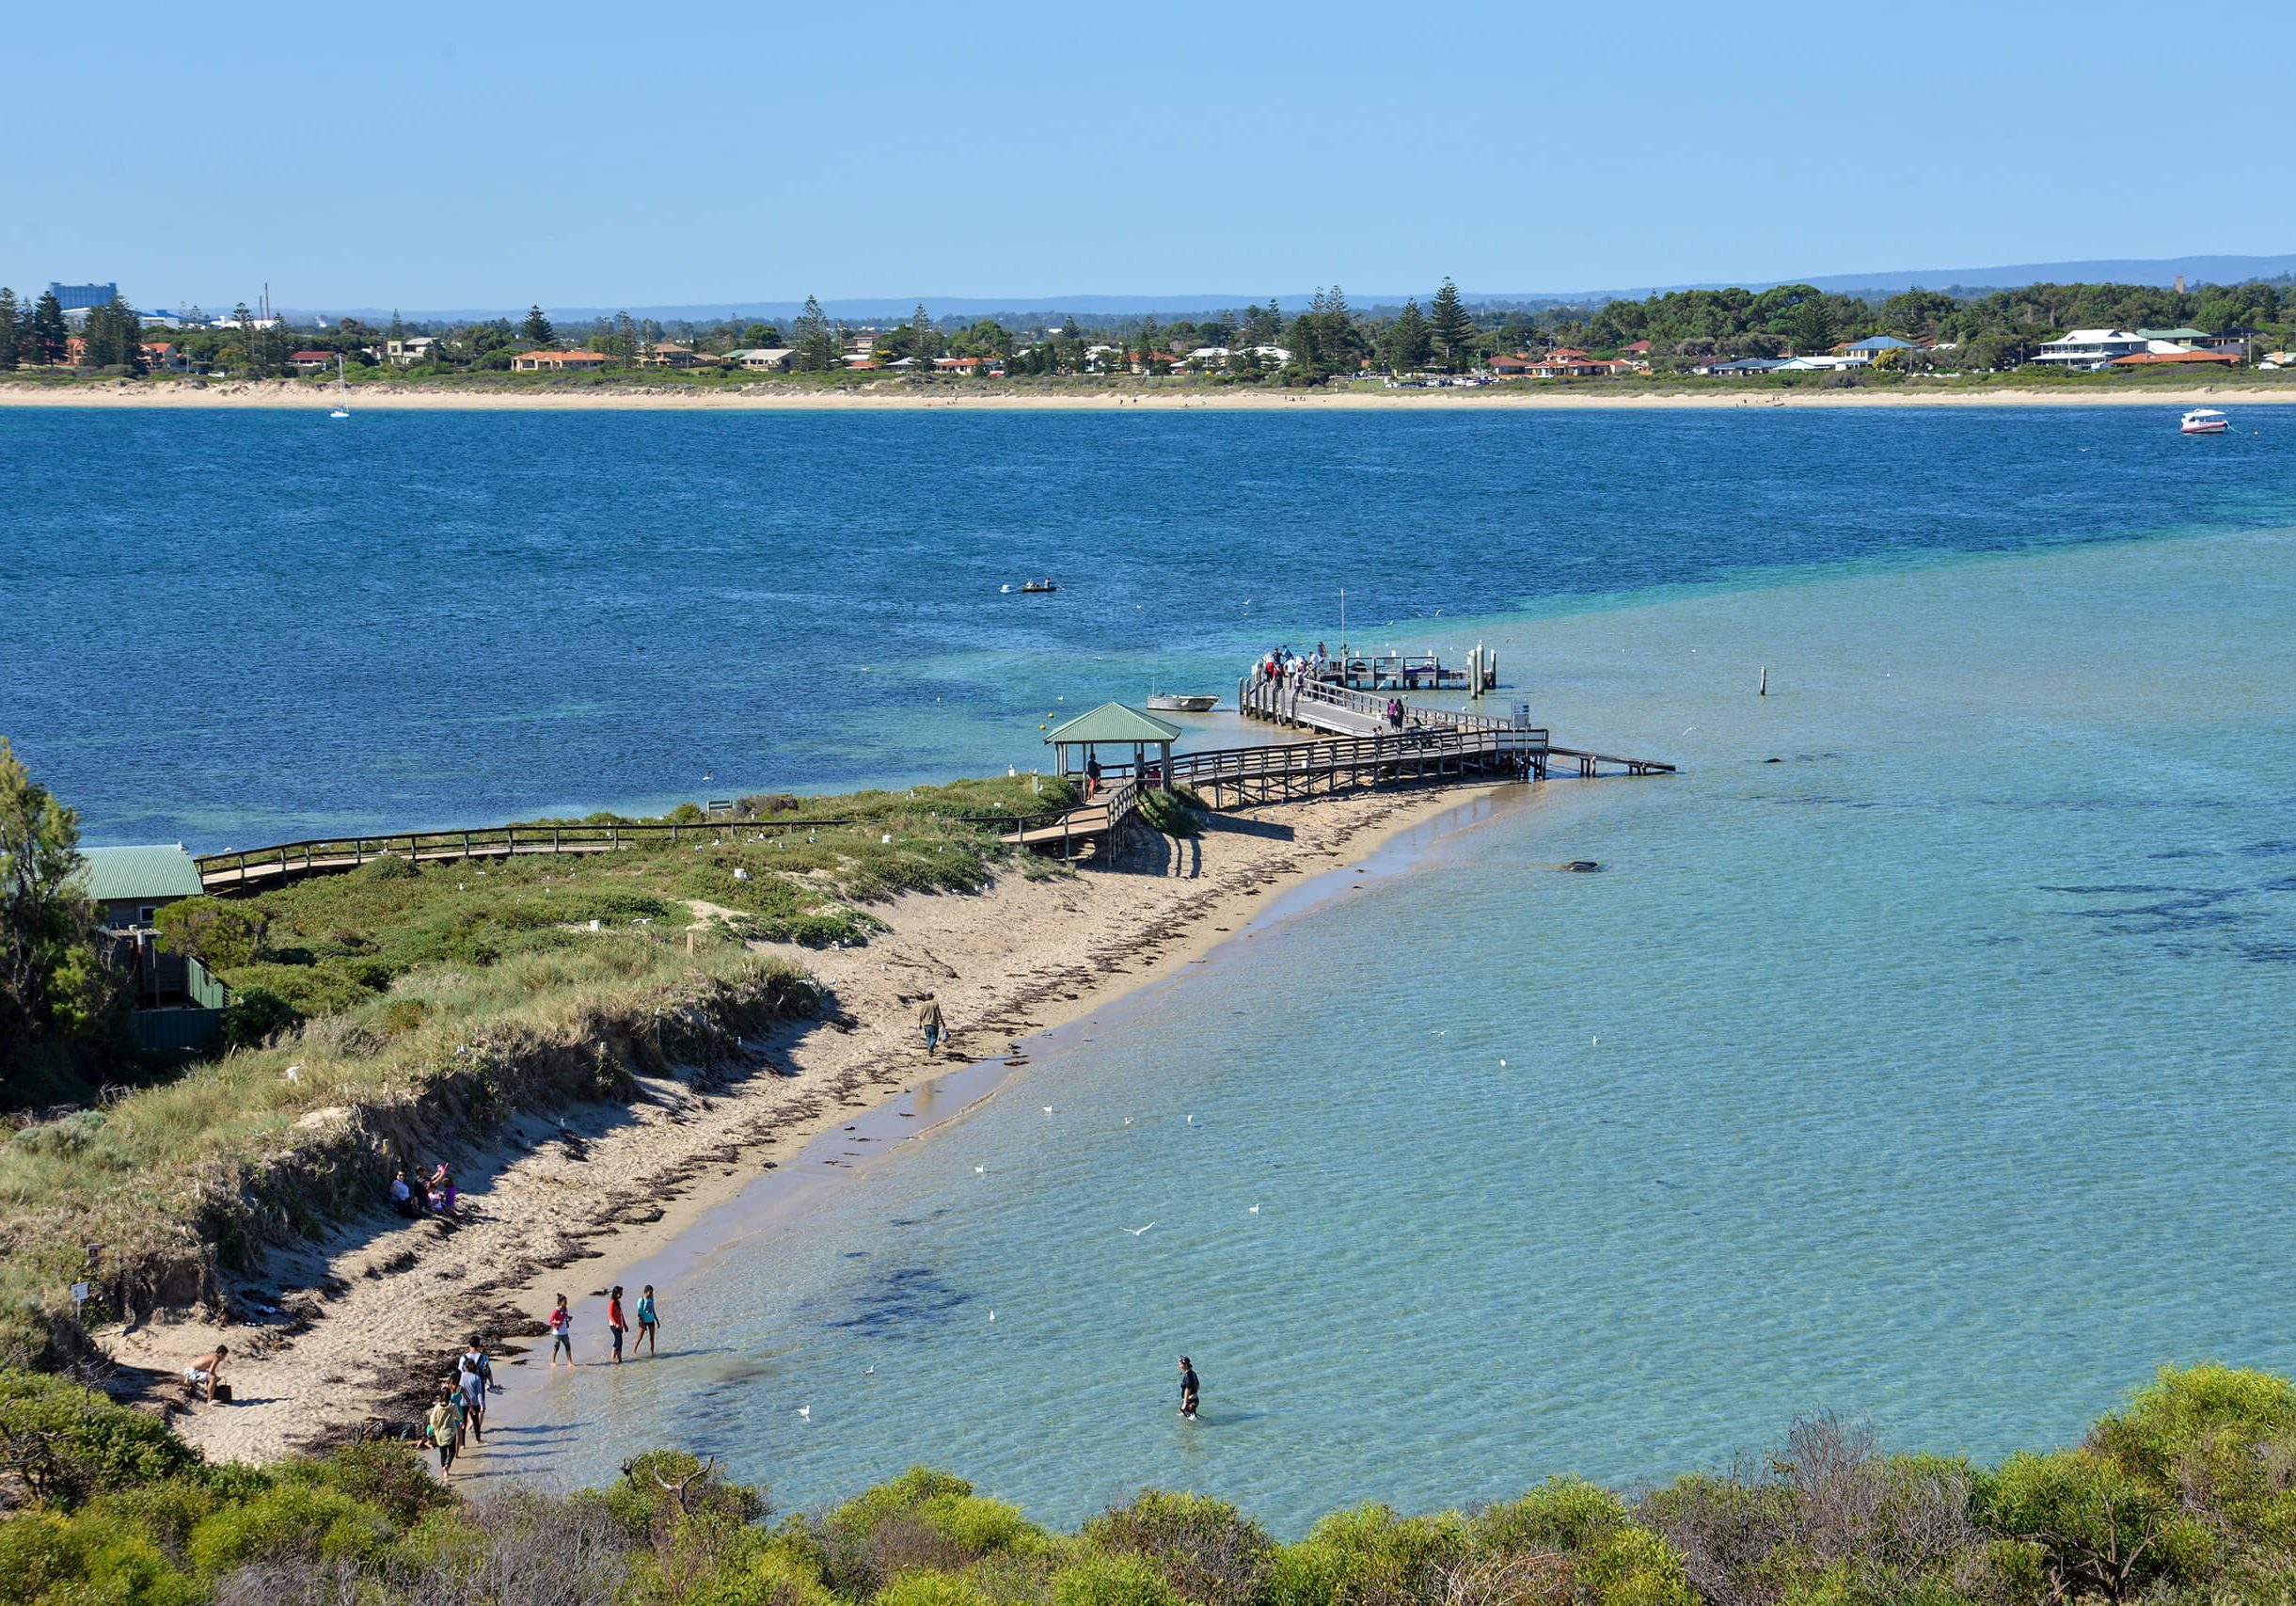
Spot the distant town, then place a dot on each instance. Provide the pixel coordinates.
(91, 330)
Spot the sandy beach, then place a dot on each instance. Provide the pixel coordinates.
(902, 395)
(363, 1322)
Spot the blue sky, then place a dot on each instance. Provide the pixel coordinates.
(424, 156)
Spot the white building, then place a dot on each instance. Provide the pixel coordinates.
(2090, 348)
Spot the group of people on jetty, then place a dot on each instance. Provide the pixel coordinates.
(1285, 667)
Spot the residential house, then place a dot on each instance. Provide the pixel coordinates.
(165, 357)
(2238, 339)
(1824, 362)
(2089, 348)
(2182, 335)
(178, 1005)
(130, 885)
(1569, 362)
(763, 359)
(966, 365)
(1737, 367)
(1637, 348)
(2278, 360)
(669, 354)
(408, 352)
(1871, 348)
(560, 361)
(309, 363)
(2176, 356)
(1511, 366)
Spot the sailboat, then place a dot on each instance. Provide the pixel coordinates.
(340, 384)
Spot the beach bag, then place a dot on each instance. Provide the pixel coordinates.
(223, 1394)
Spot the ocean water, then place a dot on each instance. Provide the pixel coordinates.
(1934, 1073)
(232, 629)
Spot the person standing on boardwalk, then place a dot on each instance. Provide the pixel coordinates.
(615, 1323)
(649, 1321)
(1190, 1390)
(441, 1428)
(928, 1019)
(560, 1325)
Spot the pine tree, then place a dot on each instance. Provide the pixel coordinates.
(1408, 343)
(10, 329)
(814, 342)
(1452, 330)
(536, 331)
(1149, 335)
(923, 346)
(46, 334)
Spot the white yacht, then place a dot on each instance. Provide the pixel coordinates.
(2205, 420)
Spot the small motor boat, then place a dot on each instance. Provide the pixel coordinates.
(2205, 420)
(1038, 587)
(1180, 703)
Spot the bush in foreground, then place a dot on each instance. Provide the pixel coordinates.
(2181, 1499)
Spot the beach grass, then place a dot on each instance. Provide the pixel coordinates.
(387, 1010)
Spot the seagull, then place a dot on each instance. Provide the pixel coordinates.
(1135, 1231)
(1687, 729)
(993, 1315)
(1128, 1121)
(1594, 1039)
(980, 1171)
(1191, 1121)
(1255, 1210)
(1048, 1109)
(1502, 1065)
(868, 1371)
(806, 1411)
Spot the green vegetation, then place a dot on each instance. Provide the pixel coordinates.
(2183, 1499)
(58, 1000)
(380, 1009)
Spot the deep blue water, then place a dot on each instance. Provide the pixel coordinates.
(232, 627)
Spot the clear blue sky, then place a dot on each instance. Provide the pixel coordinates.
(424, 156)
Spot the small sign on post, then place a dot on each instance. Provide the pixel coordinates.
(79, 1298)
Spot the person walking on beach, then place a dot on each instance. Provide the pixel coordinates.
(471, 1374)
(560, 1326)
(441, 1428)
(615, 1323)
(928, 1020)
(649, 1321)
(1190, 1390)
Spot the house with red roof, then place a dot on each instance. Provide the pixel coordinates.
(309, 363)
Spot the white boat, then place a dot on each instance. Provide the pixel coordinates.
(2205, 420)
(1181, 703)
(340, 384)
(339, 413)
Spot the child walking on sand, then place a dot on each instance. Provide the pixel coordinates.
(560, 1324)
(442, 1428)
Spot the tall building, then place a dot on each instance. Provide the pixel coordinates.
(75, 298)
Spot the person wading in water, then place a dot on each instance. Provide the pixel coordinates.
(1190, 1390)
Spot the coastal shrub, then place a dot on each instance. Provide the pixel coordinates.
(48, 1558)
(391, 1477)
(290, 1520)
(924, 1587)
(1368, 1556)
(219, 933)
(2223, 1440)
(2099, 1528)
(1566, 1515)
(64, 1443)
(1206, 1549)
(256, 1015)
(1633, 1566)
(1112, 1580)
(77, 1134)
(390, 866)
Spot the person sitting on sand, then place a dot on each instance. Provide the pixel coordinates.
(928, 1020)
(403, 1194)
(203, 1370)
(442, 1190)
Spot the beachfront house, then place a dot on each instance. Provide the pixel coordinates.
(1873, 346)
(559, 362)
(2176, 356)
(2088, 348)
(408, 352)
(176, 1006)
(1738, 367)
(669, 354)
(1822, 363)
(310, 362)
(763, 359)
(130, 885)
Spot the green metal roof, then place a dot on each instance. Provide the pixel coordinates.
(2185, 334)
(162, 872)
(1114, 723)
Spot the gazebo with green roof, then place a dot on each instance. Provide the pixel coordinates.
(1113, 724)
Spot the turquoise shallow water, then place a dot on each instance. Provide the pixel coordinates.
(1940, 1081)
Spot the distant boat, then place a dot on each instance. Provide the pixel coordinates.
(2205, 420)
(340, 384)
(1033, 587)
(339, 413)
(1180, 703)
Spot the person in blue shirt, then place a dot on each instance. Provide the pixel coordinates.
(649, 1322)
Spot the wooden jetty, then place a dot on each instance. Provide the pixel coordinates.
(1359, 749)
(1414, 672)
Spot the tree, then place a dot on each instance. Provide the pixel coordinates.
(923, 341)
(1408, 343)
(114, 336)
(816, 340)
(765, 335)
(44, 340)
(12, 332)
(1452, 330)
(54, 988)
(536, 331)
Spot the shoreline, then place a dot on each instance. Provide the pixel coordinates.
(287, 395)
(325, 1351)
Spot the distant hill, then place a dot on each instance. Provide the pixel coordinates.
(1036, 310)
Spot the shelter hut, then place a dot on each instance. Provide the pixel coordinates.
(1113, 724)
